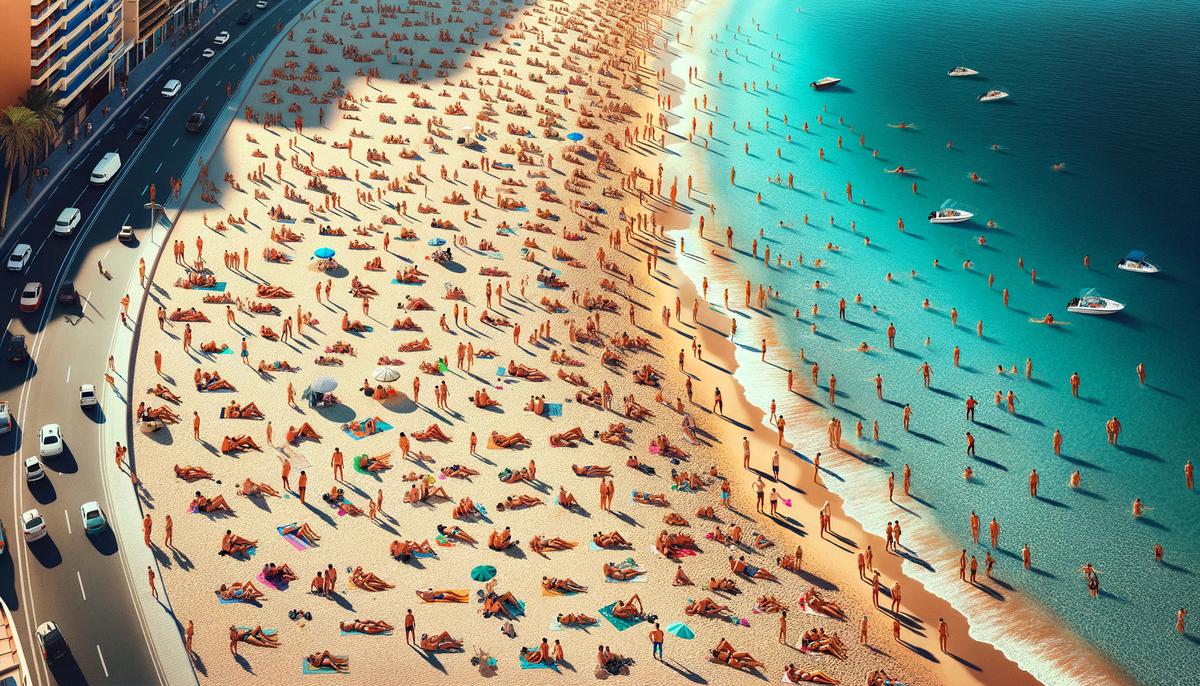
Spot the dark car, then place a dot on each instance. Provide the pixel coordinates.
(195, 123)
(142, 125)
(67, 295)
(54, 646)
(16, 349)
(244, 18)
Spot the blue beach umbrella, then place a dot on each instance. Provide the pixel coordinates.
(681, 630)
(575, 136)
(323, 253)
(437, 241)
(483, 573)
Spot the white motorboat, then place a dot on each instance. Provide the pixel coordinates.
(1090, 301)
(949, 215)
(992, 96)
(825, 83)
(962, 71)
(1135, 261)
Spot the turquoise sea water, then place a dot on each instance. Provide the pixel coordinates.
(1109, 89)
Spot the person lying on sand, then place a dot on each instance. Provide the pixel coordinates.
(629, 609)
(192, 473)
(796, 675)
(367, 581)
(278, 573)
(739, 566)
(456, 533)
(501, 540)
(563, 585)
(726, 654)
(540, 544)
(440, 642)
(575, 619)
(622, 572)
(706, 607)
(325, 660)
(304, 532)
(246, 592)
(251, 488)
(365, 626)
(611, 539)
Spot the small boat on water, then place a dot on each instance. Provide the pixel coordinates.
(992, 96)
(949, 215)
(825, 83)
(1136, 261)
(962, 71)
(1090, 301)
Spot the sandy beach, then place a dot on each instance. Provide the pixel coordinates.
(486, 181)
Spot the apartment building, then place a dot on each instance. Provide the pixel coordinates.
(81, 49)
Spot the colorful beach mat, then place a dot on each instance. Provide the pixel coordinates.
(618, 622)
(359, 435)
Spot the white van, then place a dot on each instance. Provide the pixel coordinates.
(106, 168)
(171, 88)
(67, 220)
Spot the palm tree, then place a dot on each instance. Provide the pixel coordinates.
(44, 105)
(20, 133)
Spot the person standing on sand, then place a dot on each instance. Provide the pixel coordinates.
(656, 643)
(943, 634)
(410, 628)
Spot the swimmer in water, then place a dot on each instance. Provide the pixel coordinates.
(968, 473)
(1059, 166)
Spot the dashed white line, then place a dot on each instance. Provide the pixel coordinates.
(68, 375)
(67, 515)
(83, 593)
(102, 664)
(158, 167)
(176, 141)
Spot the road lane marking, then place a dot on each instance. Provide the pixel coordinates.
(129, 135)
(176, 141)
(81, 591)
(68, 375)
(102, 663)
(126, 219)
(158, 167)
(67, 515)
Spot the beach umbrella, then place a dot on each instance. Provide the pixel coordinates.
(386, 374)
(681, 630)
(323, 384)
(437, 241)
(323, 253)
(483, 573)
(575, 136)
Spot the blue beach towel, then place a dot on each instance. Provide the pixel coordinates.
(619, 623)
(218, 287)
(554, 409)
(307, 668)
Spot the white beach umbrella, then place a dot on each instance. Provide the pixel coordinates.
(386, 374)
(323, 384)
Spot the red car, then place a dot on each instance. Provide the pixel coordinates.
(31, 297)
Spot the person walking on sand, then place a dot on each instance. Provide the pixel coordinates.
(410, 628)
(147, 526)
(783, 627)
(943, 634)
(337, 462)
(656, 642)
(302, 485)
(168, 532)
(150, 578)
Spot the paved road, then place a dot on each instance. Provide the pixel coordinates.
(80, 581)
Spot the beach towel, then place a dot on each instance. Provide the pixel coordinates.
(277, 585)
(226, 351)
(293, 540)
(380, 425)
(218, 287)
(397, 282)
(359, 633)
(554, 409)
(618, 622)
(269, 632)
(549, 592)
(465, 592)
(308, 669)
(526, 664)
(595, 548)
(494, 254)
(639, 579)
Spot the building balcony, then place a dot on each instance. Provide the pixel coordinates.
(43, 9)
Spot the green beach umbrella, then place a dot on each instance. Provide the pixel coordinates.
(483, 573)
(681, 630)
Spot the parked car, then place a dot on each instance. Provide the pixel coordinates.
(67, 220)
(19, 257)
(125, 234)
(31, 297)
(87, 395)
(171, 88)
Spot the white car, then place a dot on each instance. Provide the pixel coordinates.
(50, 440)
(261, 4)
(5, 417)
(87, 395)
(67, 220)
(33, 469)
(93, 517)
(32, 525)
(208, 53)
(106, 168)
(171, 88)
(19, 257)
(221, 38)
